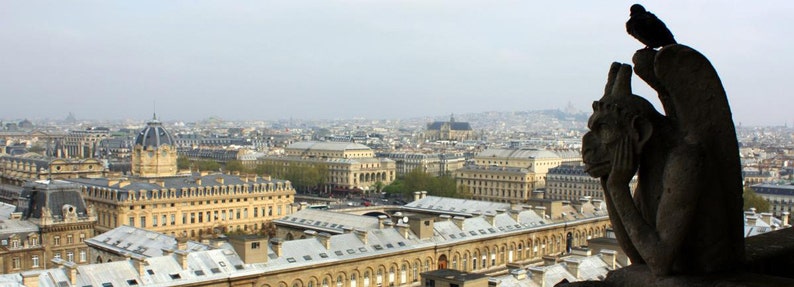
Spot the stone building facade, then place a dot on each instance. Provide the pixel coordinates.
(192, 205)
(51, 221)
(16, 170)
(436, 164)
(510, 175)
(81, 143)
(351, 166)
(449, 131)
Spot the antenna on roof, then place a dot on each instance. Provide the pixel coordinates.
(154, 110)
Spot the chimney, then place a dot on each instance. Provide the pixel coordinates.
(403, 229)
(549, 260)
(181, 243)
(424, 194)
(519, 274)
(160, 183)
(309, 233)
(71, 271)
(198, 181)
(219, 180)
(610, 257)
(459, 221)
(347, 229)
(538, 275)
(581, 251)
(445, 217)
(500, 211)
(362, 235)
(527, 207)
(577, 205)
(514, 215)
(381, 220)
(276, 245)
(140, 266)
(766, 217)
(572, 265)
(784, 217)
(167, 251)
(751, 220)
(417, 195)
(325, 239)
(31, 280)
(181, 256)
(490, 218)
(541, 211)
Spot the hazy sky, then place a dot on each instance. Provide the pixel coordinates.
(374, 59)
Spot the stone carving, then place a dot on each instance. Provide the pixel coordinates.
(685, 216)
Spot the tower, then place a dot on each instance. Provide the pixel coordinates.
(154, 151)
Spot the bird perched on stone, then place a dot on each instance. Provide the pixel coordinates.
(651, 31)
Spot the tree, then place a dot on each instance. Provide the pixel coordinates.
(36, 148)
(235, 165)
(208, 165)
(378, 186)
(752, 199)
(182, 163)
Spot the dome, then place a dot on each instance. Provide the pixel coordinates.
(154, 135)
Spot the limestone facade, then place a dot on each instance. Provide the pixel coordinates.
(16, 170)
(350, 166)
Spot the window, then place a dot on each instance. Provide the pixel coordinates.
(16, 263)
(56, 240)
(143, 221)
(69, 239)
(131, 221)
(70, 256)
(57, 255)
(173, 219)
(15, 243)
(82, 237)
(254, 245)
(35, 260)
(83, 256)
(154, 221)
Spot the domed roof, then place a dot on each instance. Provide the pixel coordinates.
(154, 135)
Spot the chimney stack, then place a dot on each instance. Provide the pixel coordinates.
(325, 239)
(445, 217)
(417, 195)
(362, 235)
(610, 257)
(541, 211)
(403, 229)
(381, 221)
(784, 218)
(347, 229)
(767, 217)
(572, 265)
(71, 271)
(538, 275)
(514, 215)
(490, 218)
(424, 194)
(181, 256)
(276, 244)
(751, 220)
(459, 221)
(309, 233)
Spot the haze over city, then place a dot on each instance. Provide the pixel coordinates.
(373, 59)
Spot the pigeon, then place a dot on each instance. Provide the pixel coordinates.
(651, 31)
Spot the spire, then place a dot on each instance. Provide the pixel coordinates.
(452, 118)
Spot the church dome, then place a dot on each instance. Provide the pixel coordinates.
(154, 135)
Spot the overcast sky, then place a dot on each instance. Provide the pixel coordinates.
(376, 59)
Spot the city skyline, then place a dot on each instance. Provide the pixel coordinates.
(371, 59)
